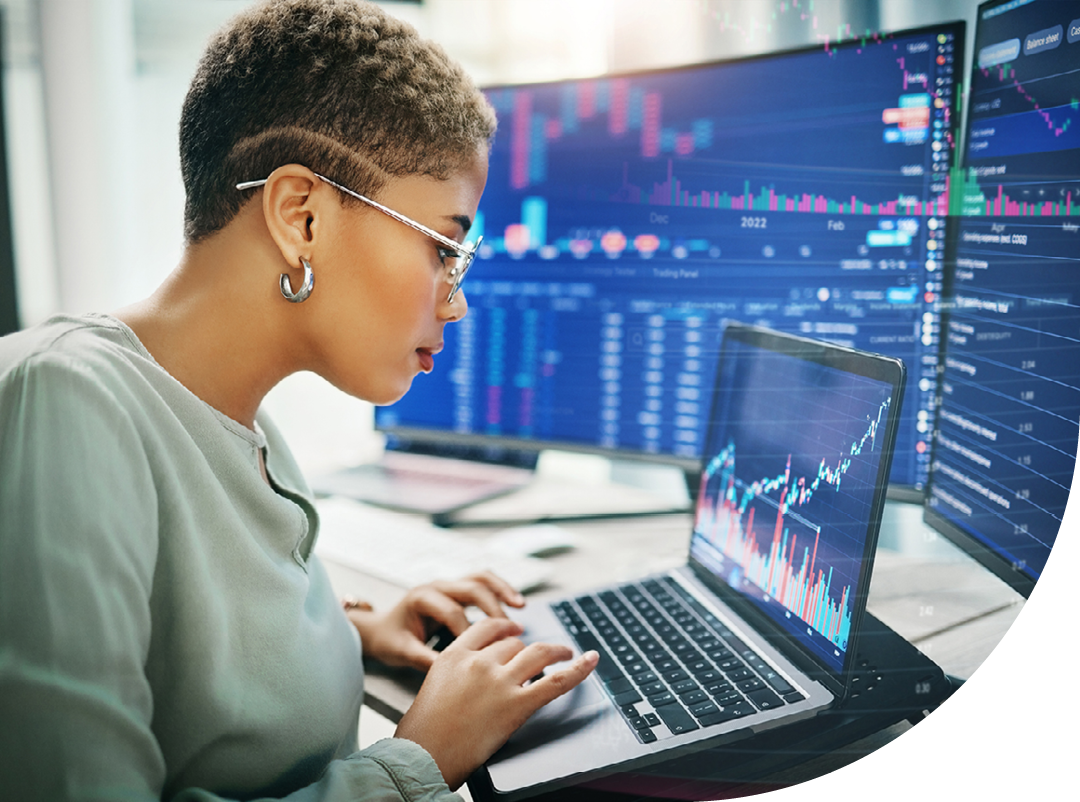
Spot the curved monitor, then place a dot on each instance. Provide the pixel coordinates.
(1007, 429)
(627, 217)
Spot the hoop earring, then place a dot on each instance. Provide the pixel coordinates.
(301, 294)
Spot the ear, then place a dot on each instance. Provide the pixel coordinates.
(290, 207)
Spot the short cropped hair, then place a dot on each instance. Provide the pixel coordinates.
(338, 86)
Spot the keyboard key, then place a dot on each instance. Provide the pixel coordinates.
(740, 709)
(653, 688)
(646, 736)
(660, 699)
(659, 655)
(628, 697)
(628, 658)
(685, 685)
(737, 645)
(727, 699)
(712, 719)
(638, 723)
(652, 719)
(684, 650)
(703, 709)
(793, 697)
(764, 699)
(694, 697)
(676, 719)
(618, 685)
(778, 683)
(739, 674)
(607, 668)
(748, 685)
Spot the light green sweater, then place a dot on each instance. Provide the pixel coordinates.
(165, 630)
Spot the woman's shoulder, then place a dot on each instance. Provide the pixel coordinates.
(71, 342)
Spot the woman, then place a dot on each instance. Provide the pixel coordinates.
(165, 630)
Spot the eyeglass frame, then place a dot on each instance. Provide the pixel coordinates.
(465, 253)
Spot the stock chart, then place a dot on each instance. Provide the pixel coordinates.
(626, 218)
(1010, 395)
(787, 490)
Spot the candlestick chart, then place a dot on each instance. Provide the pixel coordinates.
(626, 217)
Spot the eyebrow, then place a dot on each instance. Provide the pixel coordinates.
(462, 220)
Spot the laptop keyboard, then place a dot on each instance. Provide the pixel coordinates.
(667, 662)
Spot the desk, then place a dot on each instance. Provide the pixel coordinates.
(925, 589)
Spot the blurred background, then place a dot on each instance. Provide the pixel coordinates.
(92, 91)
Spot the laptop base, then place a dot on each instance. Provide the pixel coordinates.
(896, 683)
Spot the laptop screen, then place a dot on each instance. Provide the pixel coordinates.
(793, 481)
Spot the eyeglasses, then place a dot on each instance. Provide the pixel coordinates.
(462, 254)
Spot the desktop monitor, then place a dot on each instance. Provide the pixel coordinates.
(627, 217)
(1007, 427)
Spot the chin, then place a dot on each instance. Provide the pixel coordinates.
(384, 396)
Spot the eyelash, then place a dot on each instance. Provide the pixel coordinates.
(445, 253)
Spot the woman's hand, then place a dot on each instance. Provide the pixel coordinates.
(479, 692)
(399, 636)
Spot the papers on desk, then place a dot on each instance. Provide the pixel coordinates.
(408, 551)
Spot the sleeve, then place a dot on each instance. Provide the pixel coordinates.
(78, 547)
(77, 551)
(392, 770)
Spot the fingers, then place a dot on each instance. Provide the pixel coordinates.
(446, 601)
(486, 632)
(536, 657)
(484, 590)
(503, 651)
(417, 655)
(555, 683)
(432, 603)
(501, 588)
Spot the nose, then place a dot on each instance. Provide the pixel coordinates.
(456, 309)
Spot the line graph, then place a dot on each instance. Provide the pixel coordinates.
(737, 516)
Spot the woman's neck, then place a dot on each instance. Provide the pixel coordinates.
(217, 324)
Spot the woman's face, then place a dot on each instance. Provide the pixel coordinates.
(379, 304)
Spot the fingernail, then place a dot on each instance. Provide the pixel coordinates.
(592, 656)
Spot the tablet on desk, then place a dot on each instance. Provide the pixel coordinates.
(422, 483)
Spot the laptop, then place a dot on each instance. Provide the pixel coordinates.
(758, 629)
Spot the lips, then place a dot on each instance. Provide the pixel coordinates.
(427, 357)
